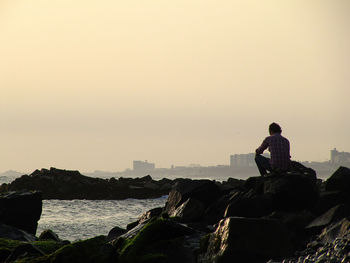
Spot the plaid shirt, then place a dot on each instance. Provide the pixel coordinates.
(279, 150)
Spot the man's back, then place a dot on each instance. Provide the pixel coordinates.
(279, 149)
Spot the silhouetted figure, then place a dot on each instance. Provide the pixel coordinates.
(279, 149)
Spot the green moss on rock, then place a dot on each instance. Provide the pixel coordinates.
(86, 251)
(156, 242)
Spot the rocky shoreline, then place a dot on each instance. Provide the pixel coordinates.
(61, 184)
(292, 217)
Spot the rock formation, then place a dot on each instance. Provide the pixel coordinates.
(67, 185)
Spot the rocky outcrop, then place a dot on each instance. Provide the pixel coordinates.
(160, 240)
(64, 184)
(21, 210)
(245, 239)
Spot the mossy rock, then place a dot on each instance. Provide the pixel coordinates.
(161, 240)
(92, 250)
(7, 247)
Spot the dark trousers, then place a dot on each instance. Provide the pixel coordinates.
(263, 164)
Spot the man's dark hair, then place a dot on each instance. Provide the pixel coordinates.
(275, 128)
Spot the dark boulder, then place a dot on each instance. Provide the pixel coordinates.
(339, 181)
(329, 199)
(249, 204)
(145, 218)
(292, 191)
(334, 214)
(297, 167)
(216, 211)
(21, 210)
(191, 210)
(115, 232)
(48, 234)
(155, 212)
(295, 222)
(255, 183)
(13, 233)
(245, 239)
(205, 191)
(160, 240)
(85, 251)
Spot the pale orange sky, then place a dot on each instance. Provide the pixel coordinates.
(93, 85)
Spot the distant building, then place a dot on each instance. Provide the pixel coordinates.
(339, 158)
(143, 166)
(243, 160)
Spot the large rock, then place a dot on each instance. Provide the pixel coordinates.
(204, 191)
(190, 211)
(245, 239)
(332, 215)
(249, 204)
(339, 181)
(13, 233)
(329, 199)
(160, 240)
(21, 210)
(292, 191)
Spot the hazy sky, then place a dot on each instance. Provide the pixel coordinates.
(93, 84)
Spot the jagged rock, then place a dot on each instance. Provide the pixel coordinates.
(132, 225)
(160, 240)
(255, 183)
(145, 217)
(115, 232)
(301, 169)
(190, 211)
(48, 234)
(332, 215)
(21, 210)
(339, 181)
(204, 191)
(292, 191)
(249, 204)
(335, 230)
(150, 214)
(13, 233)
(243, 239)
(329, 199)
(215, 212)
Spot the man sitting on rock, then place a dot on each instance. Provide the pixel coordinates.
(279, 152)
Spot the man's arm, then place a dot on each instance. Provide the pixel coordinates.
(262, 147)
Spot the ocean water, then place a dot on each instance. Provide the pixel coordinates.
(81, 219)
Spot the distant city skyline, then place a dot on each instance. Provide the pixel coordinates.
(144, 165)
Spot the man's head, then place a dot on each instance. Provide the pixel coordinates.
(274, 128)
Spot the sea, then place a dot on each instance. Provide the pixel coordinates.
(81, 219)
